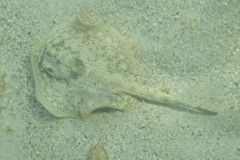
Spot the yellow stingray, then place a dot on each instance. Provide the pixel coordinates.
(87, 64)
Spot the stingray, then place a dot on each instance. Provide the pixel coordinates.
(87, 64)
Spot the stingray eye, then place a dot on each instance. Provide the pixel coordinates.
(49, 72)
(78, 66)
(47, 64)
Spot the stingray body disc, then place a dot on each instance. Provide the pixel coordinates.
(81, 66)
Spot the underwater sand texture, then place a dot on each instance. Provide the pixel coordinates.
(191, 56)
(87, 66)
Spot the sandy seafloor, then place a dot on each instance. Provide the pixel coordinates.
(195, 43)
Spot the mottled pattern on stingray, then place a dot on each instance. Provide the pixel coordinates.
(83, 65)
